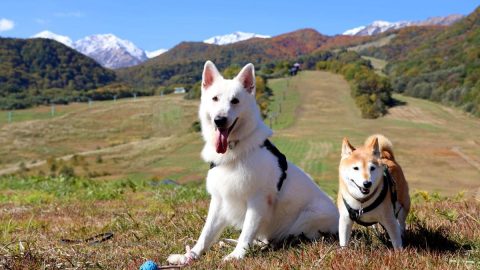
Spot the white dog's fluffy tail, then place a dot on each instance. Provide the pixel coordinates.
(386, 146)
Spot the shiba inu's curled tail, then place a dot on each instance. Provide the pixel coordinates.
(386, 146)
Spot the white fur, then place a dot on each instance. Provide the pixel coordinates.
(383, 214)
(243, 185)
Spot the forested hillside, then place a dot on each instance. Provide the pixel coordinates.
(437, 63)
(38, 71)
(183, 64)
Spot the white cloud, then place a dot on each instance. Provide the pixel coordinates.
(6, 24)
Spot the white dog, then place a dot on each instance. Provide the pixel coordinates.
(252, 186)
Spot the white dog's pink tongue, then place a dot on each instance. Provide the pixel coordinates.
(222, 136)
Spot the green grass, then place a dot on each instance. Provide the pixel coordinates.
(378, 64)
(43, 190)
(284, 102)
(423, 134)
(27, 115)
(143, 142)
(150, 220)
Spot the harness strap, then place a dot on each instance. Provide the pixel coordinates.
(387, 182)
(282, 162)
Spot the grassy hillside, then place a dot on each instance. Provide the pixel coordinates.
(41, 71)
(437, 147)
(147, 137)
(437, 63)
(129, 137)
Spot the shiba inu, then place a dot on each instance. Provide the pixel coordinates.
(372, 189)
(252, 185)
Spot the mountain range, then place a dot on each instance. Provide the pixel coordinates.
(107, 49)
(183, 63)
(379, 26)
(113, 52)
(435, 59)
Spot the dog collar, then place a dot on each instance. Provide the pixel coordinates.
(388, 181)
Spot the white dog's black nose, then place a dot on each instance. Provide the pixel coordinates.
(367, 184)
(220, 121)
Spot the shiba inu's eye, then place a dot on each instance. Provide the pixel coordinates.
(215, 98)
(235, 101)
(355, 168)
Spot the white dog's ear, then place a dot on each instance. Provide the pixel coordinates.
(247, 78)
(347, 148)
(375, 147)
(210, 74)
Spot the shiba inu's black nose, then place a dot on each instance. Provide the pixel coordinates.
(367, 184)
(220, 121)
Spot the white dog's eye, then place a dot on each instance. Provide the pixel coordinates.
(235, 101)
(372, 168)
(215, 98)
(355, 168)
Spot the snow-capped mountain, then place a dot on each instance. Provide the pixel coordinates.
(378, 27)
(232, 38)
(49, 35)
(111, 51)
(107, 49)
(152, 54)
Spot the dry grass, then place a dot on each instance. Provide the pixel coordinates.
(130, 136)
(151, 221)
(130, 151)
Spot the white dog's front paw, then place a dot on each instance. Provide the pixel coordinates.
(178, 259)
(235, 255)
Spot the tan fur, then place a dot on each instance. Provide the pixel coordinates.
(378, 151)
(386, 146)
(388, 158)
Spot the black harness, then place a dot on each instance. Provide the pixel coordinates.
(388, 184)
(282, 161)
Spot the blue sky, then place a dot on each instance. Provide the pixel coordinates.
(158, 24)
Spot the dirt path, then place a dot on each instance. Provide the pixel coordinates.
(469, 160)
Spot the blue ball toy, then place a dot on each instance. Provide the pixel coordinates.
(149, 265)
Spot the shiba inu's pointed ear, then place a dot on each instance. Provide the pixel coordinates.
(210, 74)
(375, 147)
(347, 148)
(247, 78)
